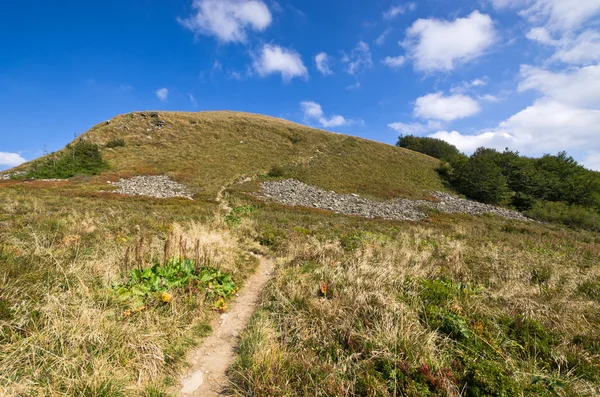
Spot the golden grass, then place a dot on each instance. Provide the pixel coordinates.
(376, 313)
(63, 331)
(208, 150)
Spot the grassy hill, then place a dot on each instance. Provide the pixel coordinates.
(208, 150)
(451, 306)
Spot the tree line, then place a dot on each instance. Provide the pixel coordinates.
(550, 188)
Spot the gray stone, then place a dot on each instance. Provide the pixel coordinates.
(160, 186)
(295, 193)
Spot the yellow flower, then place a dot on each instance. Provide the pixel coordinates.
(221, 305)
(166, 297)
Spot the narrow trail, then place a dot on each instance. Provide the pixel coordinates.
(206, 375)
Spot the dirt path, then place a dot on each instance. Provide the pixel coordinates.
(206, 375)
(208, 364)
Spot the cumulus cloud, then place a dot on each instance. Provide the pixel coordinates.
(275, 59)
(579, 87)
(162, 94)
(228, 20)
(565, 117)
(359, 58)
(415, 128)
(439, 45)
(399, 9)
(10, 159)
(314, 111)
(557, 15)
(592, 161)
(582, 49)
(447, 108)
(394, 62)
(545, 126)
(322, 61)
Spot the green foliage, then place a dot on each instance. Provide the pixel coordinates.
(276, 171)
(82, 158)
(430, 146)
(567, 214)
(550, 188)
(115, 143)
(480, 178)
(178, 274)
(234, 218)
(590, 289)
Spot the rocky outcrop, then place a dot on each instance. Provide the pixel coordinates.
(295, 193)
(153, 186)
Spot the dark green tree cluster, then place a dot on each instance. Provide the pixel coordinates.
(552, 187)
(81, 158)
(430, 146)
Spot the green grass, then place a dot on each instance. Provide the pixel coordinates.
(455, 305)
(210, 149)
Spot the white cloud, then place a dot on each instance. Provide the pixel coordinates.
(415, 128)
(314, 111)
(438, 45)
(400, 9)
(394, 62)
(354, 86)
(275, 59)
(447, 108)
(592, 161)
(193, 100)
(557, 15)
(469, 143)
(360, 58)
(381, 39)
(228, 20)
(322, 61)
(162, 94)
(545, 126)
(579, 87)
(11, 159)
(582, 49)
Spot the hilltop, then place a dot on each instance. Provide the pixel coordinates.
(208, 150)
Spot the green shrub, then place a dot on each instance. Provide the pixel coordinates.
(480, 178)
(276, 171)
(82, 158)
(430, 146)
(563, 213)
(119, 142)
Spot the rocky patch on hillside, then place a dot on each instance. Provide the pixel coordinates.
(160, 186)
(295, 193)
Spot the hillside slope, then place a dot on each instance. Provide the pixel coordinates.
(210, 149)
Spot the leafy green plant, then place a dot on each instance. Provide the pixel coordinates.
(155, 284)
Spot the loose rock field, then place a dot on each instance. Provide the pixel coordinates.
(160, 186)
(295, 193)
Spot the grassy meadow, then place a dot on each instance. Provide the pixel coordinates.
(103, 295)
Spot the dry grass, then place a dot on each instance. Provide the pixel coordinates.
(460, 306)
(63, 331)
(208, 150)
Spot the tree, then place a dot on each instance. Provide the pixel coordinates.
(430, 146)
(480, 178)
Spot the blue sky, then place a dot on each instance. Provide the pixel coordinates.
(518, 73)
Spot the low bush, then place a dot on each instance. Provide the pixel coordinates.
(276, 171)
(82, 158)
(569, 215)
